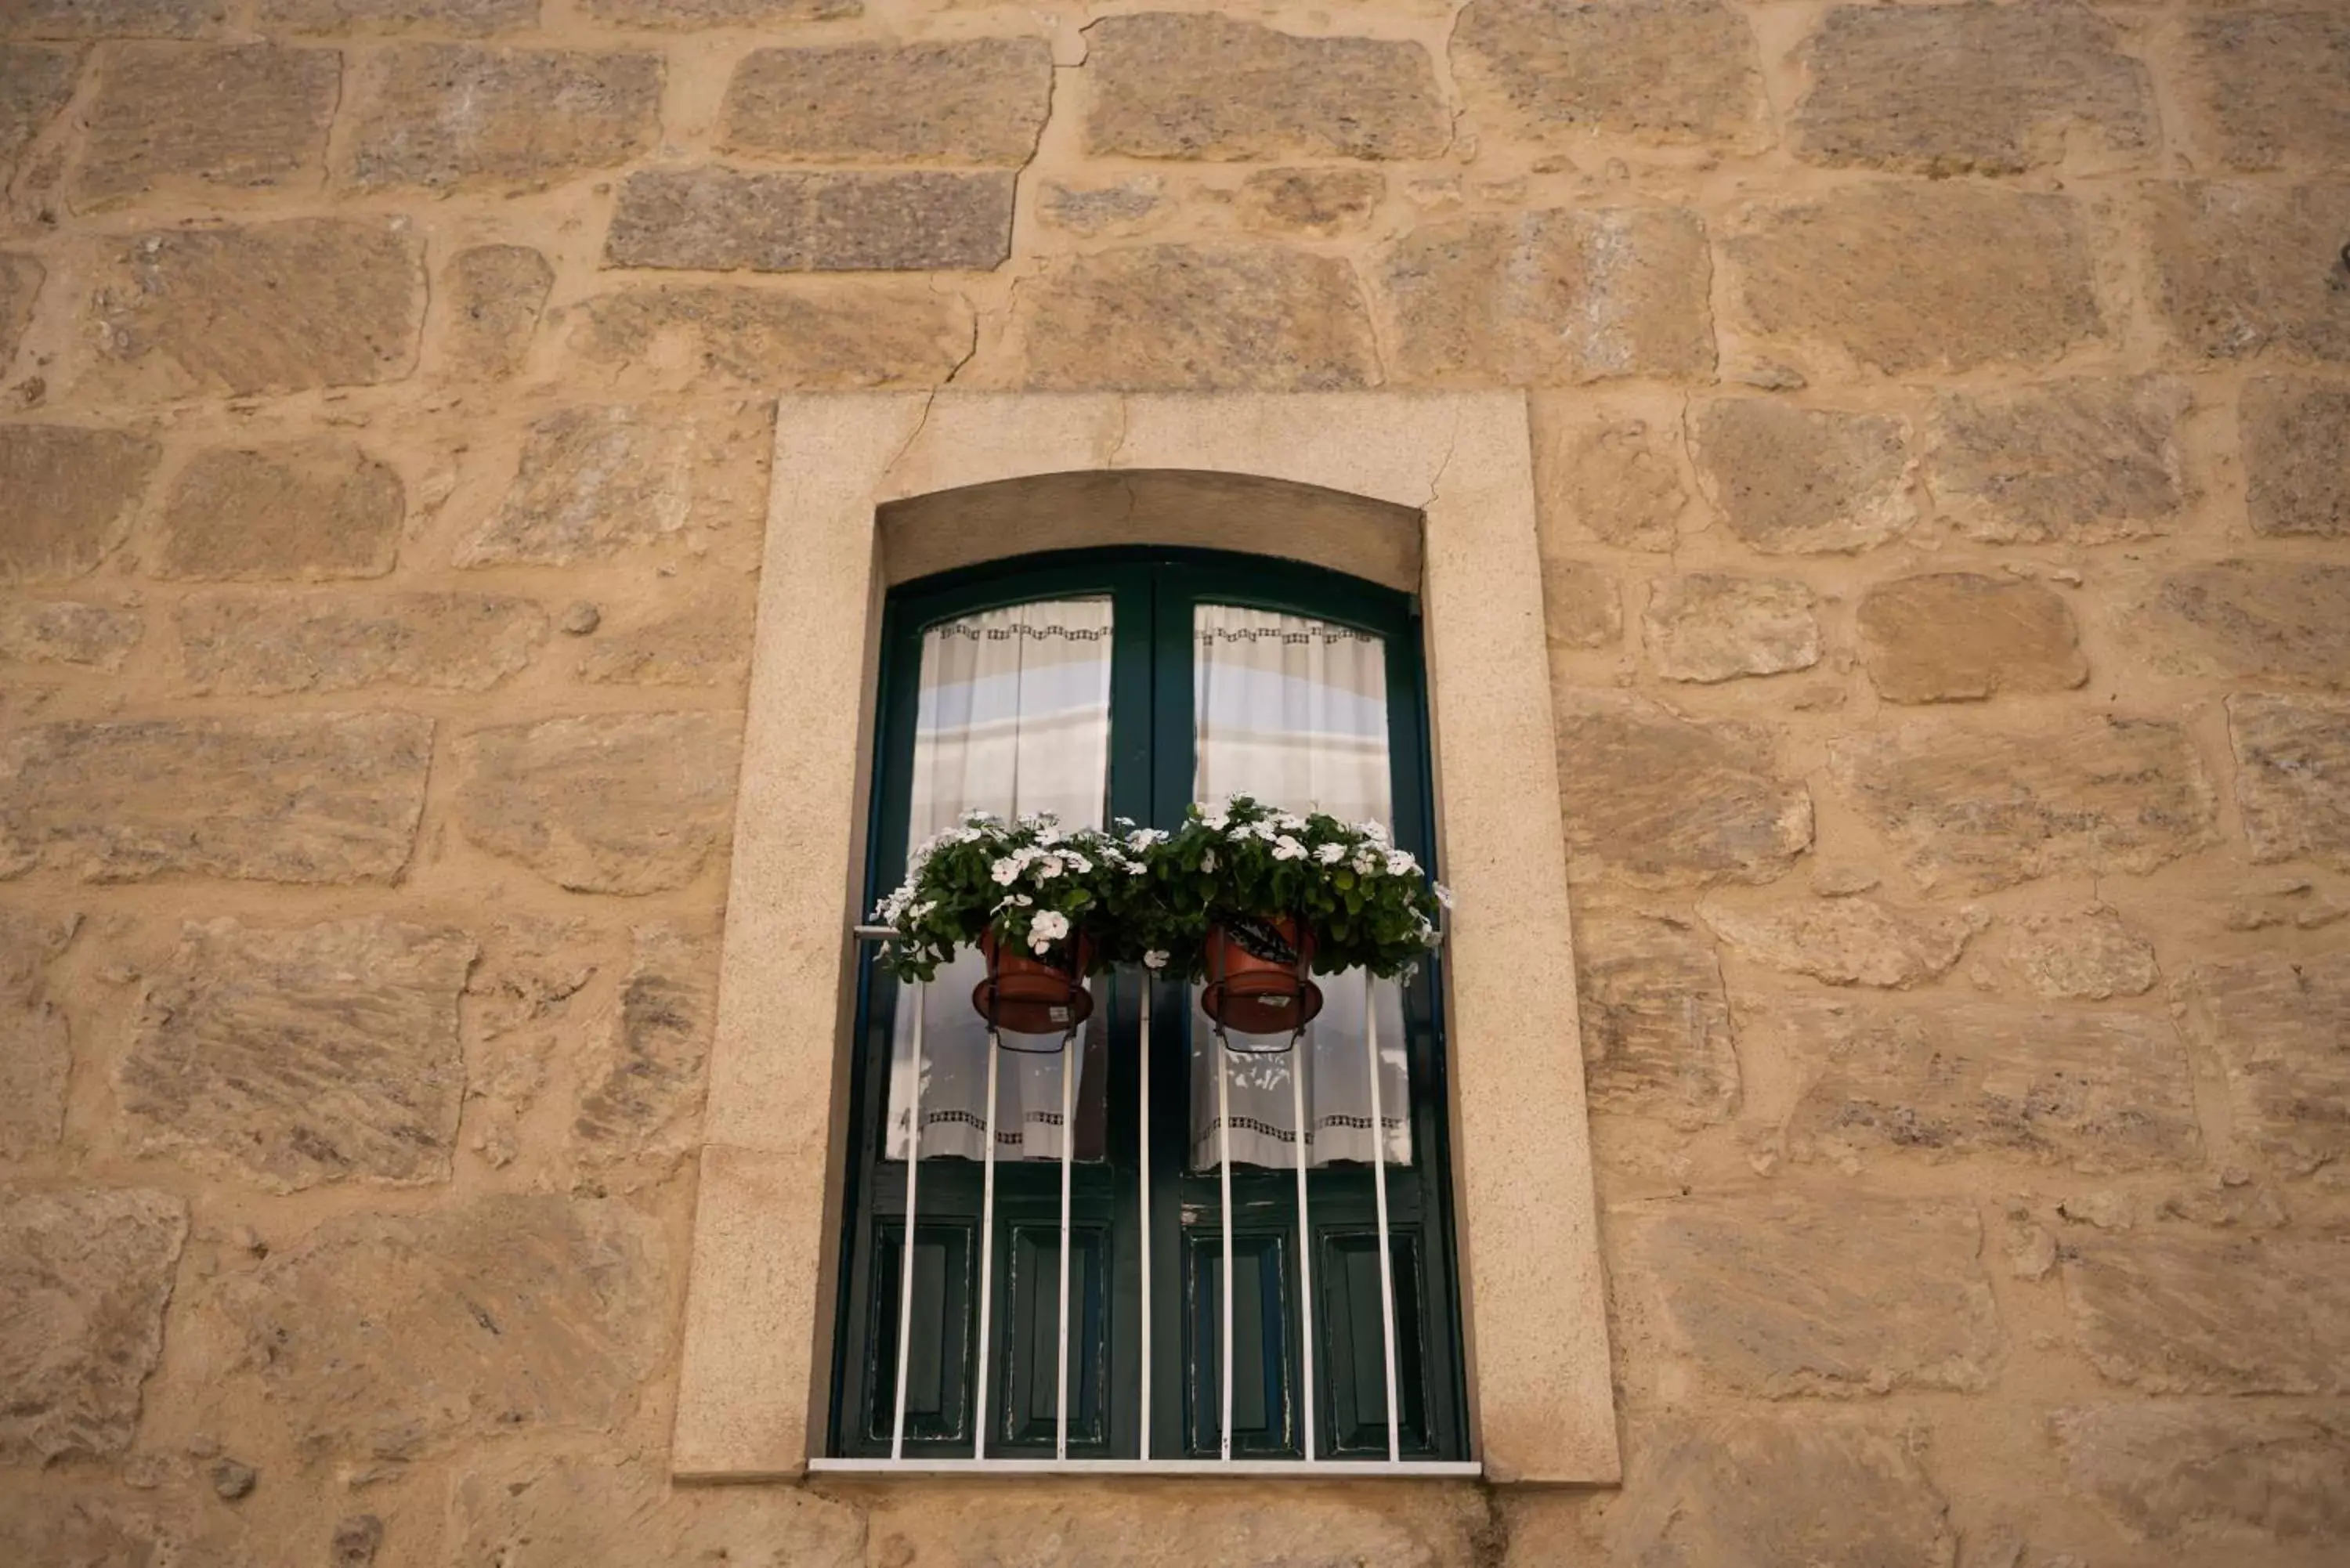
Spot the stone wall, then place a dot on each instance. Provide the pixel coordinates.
(1944, 433)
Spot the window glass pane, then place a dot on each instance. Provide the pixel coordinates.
(1294, 711)
(1012, 717)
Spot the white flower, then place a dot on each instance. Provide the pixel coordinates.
(1208, 860)
(1400, 863)
(1076, 862)
(1215, 821)
(1004, 872)
(1155, 959)
(922, 909)
(1016, 901)
(1047, 867)
(1443, 893)
(1287, 848)
(1330, 854)
(1376, 832)
(1291, 822)
(1047, 929)
(1367, 862)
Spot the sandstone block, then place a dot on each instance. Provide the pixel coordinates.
(35, 84)
(320, 1053)
(310, 510)
(2181, 1312)
(1951, 637)
(1848, 941)
(2282, 1028)
(1659, 801)
(970, 100)
(163, 120)
(464, 18)
(1553, 72)
(713, 219)
(2080, 462)
(707, 643)
(2171, 1471)
(516, 1313)
(2087, 955)
(1551, 297)
(68, 494)
(845, 337)
(1983, 809)
(1583, 606)
(1178, 84)
(618, 803)
(267, 645)
(1120, 207)
(86, 1273)
(112, 18)
(1619, 479)
(326, 797)
(1807, 480)
(2296, 441)
(1707, 627)
(2272, 85)
(717, 13)
(2293, 776)
(2275, 621)
(2240, 269)
(20, 284)
(36, 1038)
(1905, 279)
(495, 294)
(533, 1512)
(437, 116)
(1656, 1022)
(1969, 89)
(1318, 202)
(644, 1097)
(63, 631)
(1197, 318)
(1782, 1297)
(261, 308)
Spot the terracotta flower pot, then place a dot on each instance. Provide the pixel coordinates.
(1030, 995)
(1257, 969)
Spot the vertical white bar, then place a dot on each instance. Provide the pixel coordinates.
(1379, 1186)
(1225, 1173)
(1145, 1207)
(1297, 1055)
(906, 1264)
(1069, 1049)
(986, 1259)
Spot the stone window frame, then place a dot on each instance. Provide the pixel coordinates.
(1433, 493)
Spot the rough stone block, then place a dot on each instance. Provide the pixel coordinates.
(1316, 201)
(333, 18)
(2193, 1471)
(2282, 1028)
(260, 307)
(1583, 606)
(1553, 71)
(521, 1510)
(1119, 207)
(437, 116)
(1709, 627)
(1617, 479)
(324, 797)
(840, 338)
(718, 12)
(36, 1037)
(2185, 1311)
(1798, 481)
(2296, 441)
(2081, 462)
(2293, 776)
(2272, 620)
(1952, 89)
(643, 1098)
(1656, 1022)
(617, 802)
(1197, 318)
(1659, 801)
(707, 643)
(2087, 955)
(68, 494)
(1552, 297)
(169, 117)
(325, 1053)
(495, 293)
(713, 219)
(112, 18)
(1952, 637)
(970, 100)
(2240, 269)
(1980, 809)
(1180, 85)
(1919, 277)
(1848, 941)
(66, 631)
(267, 645)
(310, 510)
(2272, 85)
(35, 84)
(21, 277)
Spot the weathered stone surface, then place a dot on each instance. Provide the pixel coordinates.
(85, 1275)
(621, 802)
(2240, 269)
(714, 219)
(268, 644)
(1848, 941)
(2281, 1027)
(1552, 72)
(2172, 1471)
(2095, 1091)
(717, 13)
(2182, 1312)
(1983, 809)
(2296, 441)
(2272, 620)
(844, 338)
(35, 84)
(1151, 1527)
(1781, 1296)
(1120, 207)
(357, 1538)
(515, 1314)
(442, 115)
(524, 1512)
(104, 1523)
(495, 294)
(1659, 801)
(1318, 202)
(705, 644)
(643, 1098)
(1619, 479)
(1197, 318)
(326, 797)
(1178, 84)
(1709, 627)
(320, 1053)
(63, 631)
(36, 1038)
(2293, 776)
(242, 116)
(1807, 480)
(68, 494)
(595, 479)
(1969, 89)
(1583, 606)
(261, 308)
(464, 18)
(1552, 297)
(2088, 955)
(2084, 462)
(309, 510)
(2272, 85)
(1656, 1022)
(969, 100)
(111, 18)
(1952, 637)
(1905, 279)
(20, 283)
